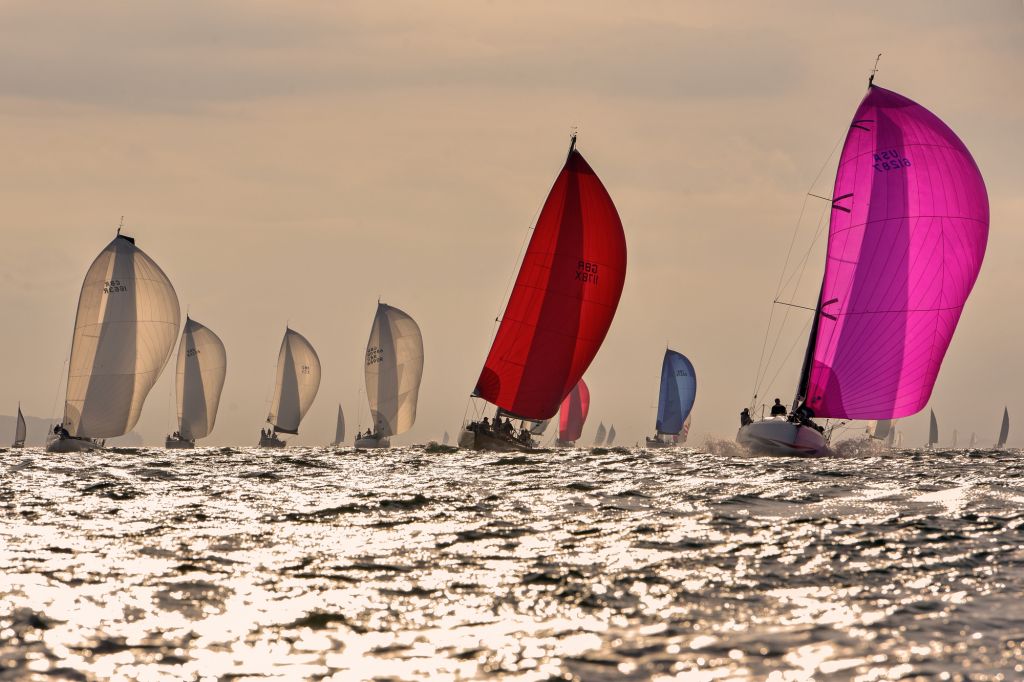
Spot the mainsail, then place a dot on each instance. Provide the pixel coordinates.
(880, 429)
(394, 367)
(600, 435)
(339, 430)
(677, 394)
(298, 380)
(611, 436)
(127, 323)
(564, 298)
(1004, 429)
(19, 429)
(573, 413)
(202, 366)
(907, 236)
(933, 430)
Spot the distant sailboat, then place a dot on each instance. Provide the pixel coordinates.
(572, 415)
(297, 383)
(907, 235)
(19, 430)
(444, 439)
(611, 436)
(393, 369)
(973, 440)
(600, 435)
(675, 400)
(933, 431)
(127, 323)
(560, 308)
(202, 366)
(1004, 430)
(339, 429)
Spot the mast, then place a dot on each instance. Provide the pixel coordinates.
(805, 370)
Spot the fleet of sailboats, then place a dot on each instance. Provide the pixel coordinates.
(393, 370)
(296, 385)
(907, 236)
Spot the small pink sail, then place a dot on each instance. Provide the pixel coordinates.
(573, 413)
(906, 240)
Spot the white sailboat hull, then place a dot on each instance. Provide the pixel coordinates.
(373, 443)
(782, 438)
(71, 444)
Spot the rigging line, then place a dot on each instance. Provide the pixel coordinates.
(789, 253)
(791, 348)
(794, 305)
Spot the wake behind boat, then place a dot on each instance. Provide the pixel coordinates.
(559, 311)
(127, 322)
(908, 229)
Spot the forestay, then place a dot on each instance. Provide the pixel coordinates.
(394, 367)
(298, 380)
(127, 323)
(202, 366)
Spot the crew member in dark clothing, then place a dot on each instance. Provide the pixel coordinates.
(745, 417)
(778, 409)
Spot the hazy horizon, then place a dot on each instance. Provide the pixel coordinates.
(292, 164)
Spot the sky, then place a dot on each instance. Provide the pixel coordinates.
(289, 163)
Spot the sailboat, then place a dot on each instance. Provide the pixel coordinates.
(973, 440)
(933, 431)
(127, 323)
(202, 366)
(19, 430)
(572, 415)
(600, 435)
(1004, 430)
(339, 429)
(675, 400)
(298, 380)
(611, 436)
(444, 438)
(907, 235)
(394, 367)
(559, 311)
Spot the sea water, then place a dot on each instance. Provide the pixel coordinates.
(410, 564)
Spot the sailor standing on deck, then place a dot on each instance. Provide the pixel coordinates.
(778, 409)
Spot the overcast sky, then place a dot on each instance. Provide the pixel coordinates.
(291, 162)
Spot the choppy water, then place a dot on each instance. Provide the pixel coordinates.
(569, 565)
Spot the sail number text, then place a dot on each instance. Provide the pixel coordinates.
(890, 159)
(114, 286)
(374, 355)
(191, 352)
(586, 271)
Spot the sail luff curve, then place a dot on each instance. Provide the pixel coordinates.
(125, 329)
(563, 300)
(907, 237)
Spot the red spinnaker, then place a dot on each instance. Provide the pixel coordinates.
(563, 301)
(573, 413)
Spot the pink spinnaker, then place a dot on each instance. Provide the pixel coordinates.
(906, 240)
(573, 413)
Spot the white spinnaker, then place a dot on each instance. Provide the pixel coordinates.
(394, 367)
(202, 366)
(127, 323)
(298, 380)
(19, 429)
(339, 431)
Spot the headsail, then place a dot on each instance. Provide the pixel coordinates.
(677, 394)
(907, 237)
(933, 430)
(538, 428)
(339, 430)
(19, 429)
(611, 436)
(563, 300)
(573, 413)
(882, 429)
(298, 380)
(1004, 429)
(127, 323)
(394, 367)
(202, 366)
(600, 435)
